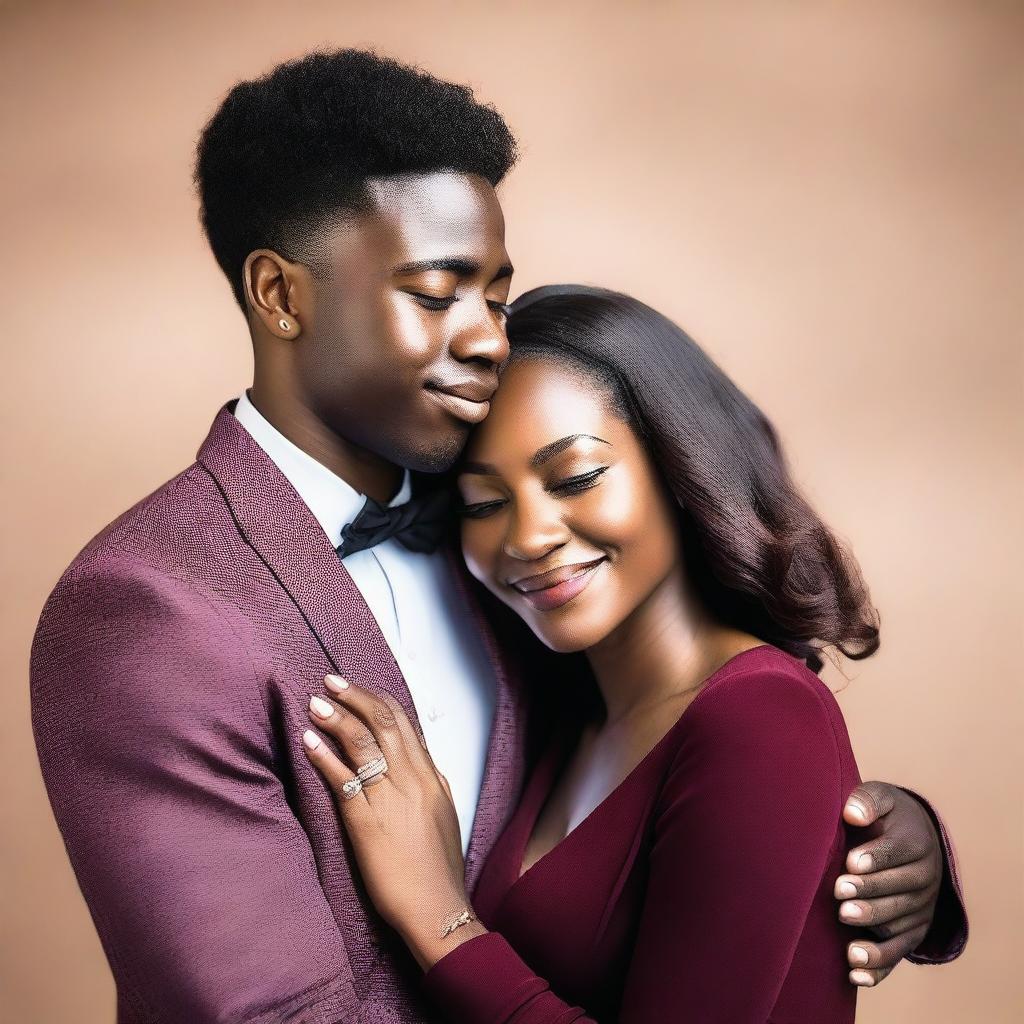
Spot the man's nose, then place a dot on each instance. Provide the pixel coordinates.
(483, 339)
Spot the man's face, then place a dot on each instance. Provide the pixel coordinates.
(406, 335)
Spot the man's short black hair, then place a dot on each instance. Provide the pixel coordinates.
(288, 153)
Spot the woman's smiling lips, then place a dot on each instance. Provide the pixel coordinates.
(552, 589)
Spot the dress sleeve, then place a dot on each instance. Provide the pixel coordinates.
(746, 823)
(155, 747)
(947, 936)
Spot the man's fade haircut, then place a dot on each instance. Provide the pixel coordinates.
(288, 154)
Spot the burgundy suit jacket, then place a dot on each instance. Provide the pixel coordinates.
(171, 674)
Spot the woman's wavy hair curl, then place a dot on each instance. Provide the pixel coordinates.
(758, 555)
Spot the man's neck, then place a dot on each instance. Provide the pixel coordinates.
(365, 471)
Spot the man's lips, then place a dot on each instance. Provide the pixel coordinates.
(471, 388)
(468, 400)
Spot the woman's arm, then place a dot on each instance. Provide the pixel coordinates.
(732, 876)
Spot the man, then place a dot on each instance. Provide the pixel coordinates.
(350, 201)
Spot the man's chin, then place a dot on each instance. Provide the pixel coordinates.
(440, 456)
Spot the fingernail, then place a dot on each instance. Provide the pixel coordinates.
(336, 683)
(858, 954)
(321, 707)
(861, 978)
(856, 810)
(851, 910)
(311, 739)
(865, 862)
(846, 889)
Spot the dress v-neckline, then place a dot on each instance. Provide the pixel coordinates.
(555, 760)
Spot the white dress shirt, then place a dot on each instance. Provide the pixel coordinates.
(420, 612)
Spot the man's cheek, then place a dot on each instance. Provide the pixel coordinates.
(414, 340)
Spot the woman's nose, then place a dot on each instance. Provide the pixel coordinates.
(532, 534)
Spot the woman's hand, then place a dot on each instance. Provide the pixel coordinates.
(402, 823)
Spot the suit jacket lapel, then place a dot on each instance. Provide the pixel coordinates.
(281, 530)
(505, 765)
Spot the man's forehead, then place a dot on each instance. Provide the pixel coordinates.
(432, 216)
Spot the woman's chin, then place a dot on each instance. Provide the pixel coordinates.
(562, 645)
(567, 638)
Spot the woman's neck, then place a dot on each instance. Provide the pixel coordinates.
(665, 649)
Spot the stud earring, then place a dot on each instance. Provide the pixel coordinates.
(284, 325)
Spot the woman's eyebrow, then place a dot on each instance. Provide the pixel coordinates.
(549, 451)
(540, 456)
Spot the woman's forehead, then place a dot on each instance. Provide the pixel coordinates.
(539, 401)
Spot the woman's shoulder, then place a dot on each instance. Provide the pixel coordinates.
(761, 700)
(762, 724)
(759, 672)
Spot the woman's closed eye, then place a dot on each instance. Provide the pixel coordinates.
(480, 509)
(565, 487)
(577, 483)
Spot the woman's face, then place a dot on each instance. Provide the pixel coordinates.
(565, 520)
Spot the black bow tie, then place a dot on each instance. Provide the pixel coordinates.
(419, 524)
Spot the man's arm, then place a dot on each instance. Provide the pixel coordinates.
(155, 747)
(903, 884)
(947, 936)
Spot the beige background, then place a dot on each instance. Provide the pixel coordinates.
(827, 195)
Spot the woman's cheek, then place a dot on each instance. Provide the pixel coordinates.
(617, 513)
(470, 552)
(480, 550)
(635, 525)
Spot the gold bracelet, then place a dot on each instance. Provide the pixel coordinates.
(464, 918)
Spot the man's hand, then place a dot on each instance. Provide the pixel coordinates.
(894, 878)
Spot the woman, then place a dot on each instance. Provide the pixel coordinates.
(627, 501)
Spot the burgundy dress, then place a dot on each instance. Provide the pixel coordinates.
(699, 890)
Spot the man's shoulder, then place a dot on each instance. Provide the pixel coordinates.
(187, 514)
(148, 573)
(170, 541)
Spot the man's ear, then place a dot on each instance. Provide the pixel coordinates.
(272, 289)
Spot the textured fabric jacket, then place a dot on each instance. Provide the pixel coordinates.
(171, 676)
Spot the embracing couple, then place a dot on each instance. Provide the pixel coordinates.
(421, 697)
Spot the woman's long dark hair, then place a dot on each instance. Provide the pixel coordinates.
(758, 555)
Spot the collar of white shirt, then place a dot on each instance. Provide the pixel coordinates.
(332, 501)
